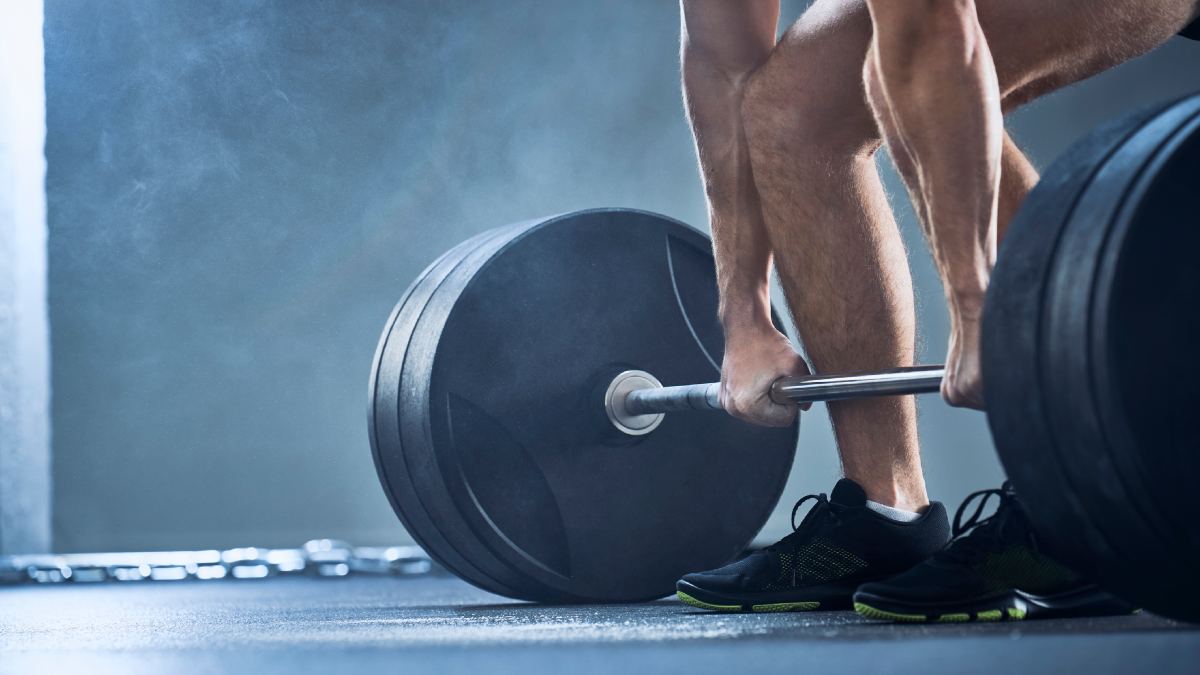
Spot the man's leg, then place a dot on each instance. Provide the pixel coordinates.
(837, 248)
(1017, 178)
(811, 141)
(938, 71)
(834, 240)
(800, 181)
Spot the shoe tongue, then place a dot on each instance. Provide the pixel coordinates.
(848, 493)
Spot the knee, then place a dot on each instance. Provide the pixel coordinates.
(920, 16)
(795, 109)
(904, 28)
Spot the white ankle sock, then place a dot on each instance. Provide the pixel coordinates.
(892, 513)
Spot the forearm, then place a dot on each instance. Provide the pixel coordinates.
(743, 253)
(940, 84)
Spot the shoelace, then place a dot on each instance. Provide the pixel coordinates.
(823, 510)
(977, 534)
(960, 528)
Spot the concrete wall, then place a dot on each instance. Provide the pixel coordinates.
(239, 190)
(24, 344)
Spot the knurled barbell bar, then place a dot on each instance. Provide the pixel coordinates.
(522, 431)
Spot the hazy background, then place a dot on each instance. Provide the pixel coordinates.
(239, 191)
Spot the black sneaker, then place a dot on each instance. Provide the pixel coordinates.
(991, 571)
(839, 545)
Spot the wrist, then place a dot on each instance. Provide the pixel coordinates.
(746, 320)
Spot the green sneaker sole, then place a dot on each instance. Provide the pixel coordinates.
(768, 607)
(1007, 614)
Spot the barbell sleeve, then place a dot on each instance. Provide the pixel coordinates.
(798, 389)
(671, 399)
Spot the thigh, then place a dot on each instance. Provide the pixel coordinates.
(1042, 45)
(1038, 46)
(813, 78)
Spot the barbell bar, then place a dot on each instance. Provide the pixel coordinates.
(794, 389)
(636, 402)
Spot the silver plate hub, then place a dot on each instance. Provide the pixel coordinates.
(614, 403)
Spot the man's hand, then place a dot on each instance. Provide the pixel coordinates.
(754, 360)
(963, 384)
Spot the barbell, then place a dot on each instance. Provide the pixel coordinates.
(534, 417)
(636, 402)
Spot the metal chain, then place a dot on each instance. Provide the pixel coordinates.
(317, 558)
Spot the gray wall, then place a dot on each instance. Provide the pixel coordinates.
(240, 190)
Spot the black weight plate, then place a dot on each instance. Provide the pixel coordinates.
(1144, 322)
(395, 474)
(1011, 350)
(502, 437)
(384, 421)
(1149, 304)
(424, 470)
(1061, 435)
(1104, 476)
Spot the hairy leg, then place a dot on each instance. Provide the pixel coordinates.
(837, 248)
(1017, 178)
(938, 70)
(811, 137)
(721, 44)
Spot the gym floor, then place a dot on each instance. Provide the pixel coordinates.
(438, 623)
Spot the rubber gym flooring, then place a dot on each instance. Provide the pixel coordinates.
(439, 624)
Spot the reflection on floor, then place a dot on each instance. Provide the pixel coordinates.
(437, 623)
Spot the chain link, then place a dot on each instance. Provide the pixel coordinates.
(317, 558)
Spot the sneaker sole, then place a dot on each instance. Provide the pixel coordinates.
(766, 607)
(829, 596)
(998, 614)
(1013, 606)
